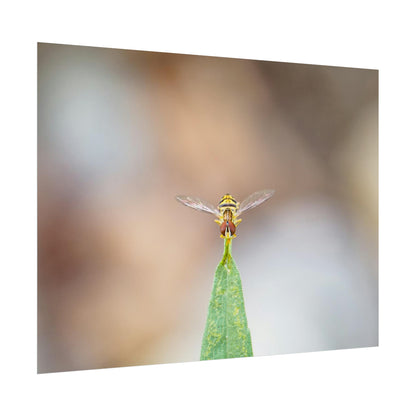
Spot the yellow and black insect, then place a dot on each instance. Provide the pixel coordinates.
(228, 209)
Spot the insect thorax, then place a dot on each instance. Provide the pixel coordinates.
(227, 214)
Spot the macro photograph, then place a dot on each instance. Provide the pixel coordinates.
(195, 208)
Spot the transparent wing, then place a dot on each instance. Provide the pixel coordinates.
(255, 199)
(197, 203)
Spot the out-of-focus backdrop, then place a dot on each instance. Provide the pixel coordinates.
(125, 272)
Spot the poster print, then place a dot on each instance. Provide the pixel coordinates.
(126, 274)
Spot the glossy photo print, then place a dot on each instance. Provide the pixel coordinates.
(199, 208)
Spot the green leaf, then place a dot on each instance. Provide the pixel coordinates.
(226, 331)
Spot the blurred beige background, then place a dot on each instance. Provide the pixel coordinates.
(125, 272)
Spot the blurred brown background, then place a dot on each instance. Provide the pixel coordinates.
(125, 272)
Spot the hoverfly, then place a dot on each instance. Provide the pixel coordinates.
(228, 209)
